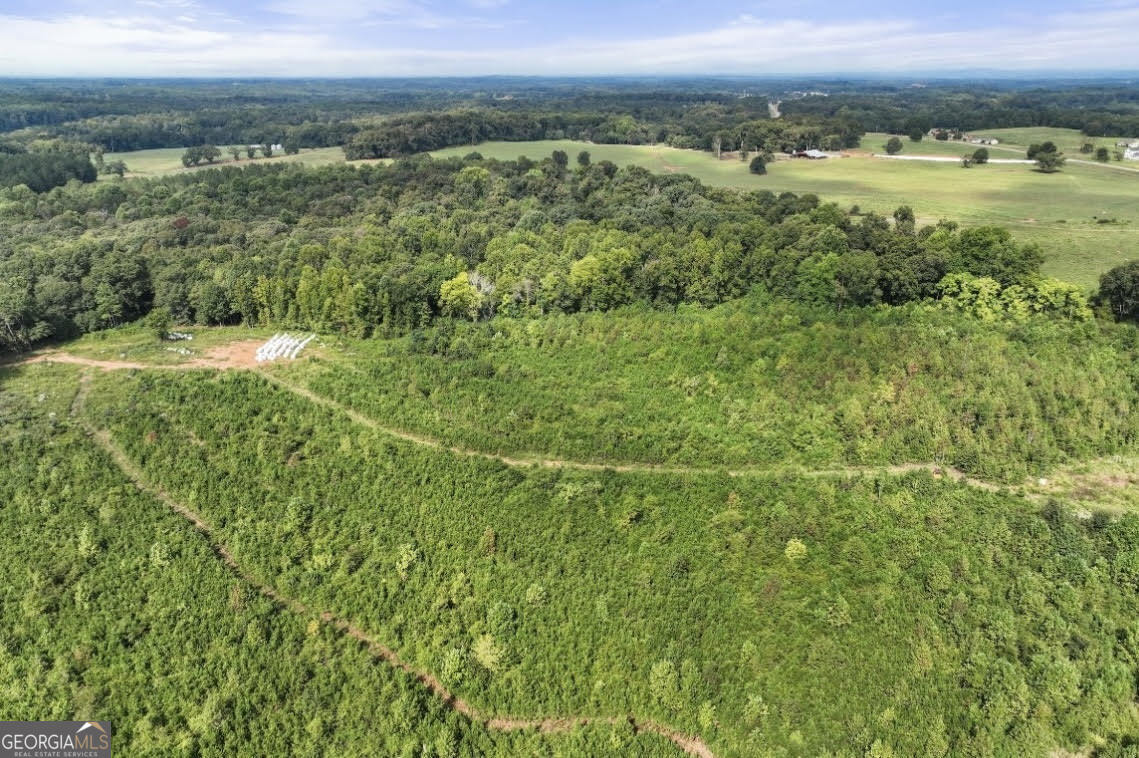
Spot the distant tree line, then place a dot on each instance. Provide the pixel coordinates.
(1096, 110)
(420, 132)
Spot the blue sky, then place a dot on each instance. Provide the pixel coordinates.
(468, 37)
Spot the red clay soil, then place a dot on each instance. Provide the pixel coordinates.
(234, 355)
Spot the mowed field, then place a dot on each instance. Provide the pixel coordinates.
(1067, 140)
(1012, 143)
(1086, 218)
(168, 160)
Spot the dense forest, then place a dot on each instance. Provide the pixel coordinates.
(1096, 110)
(42, 171)
(404, 117)
(379, 249)
(380, 118)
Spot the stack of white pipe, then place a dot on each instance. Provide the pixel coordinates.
(297, 348)
(282, 345)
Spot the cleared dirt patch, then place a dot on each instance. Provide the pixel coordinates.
(240, 355)
(234, 355)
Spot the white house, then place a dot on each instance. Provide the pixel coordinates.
(1131, 154)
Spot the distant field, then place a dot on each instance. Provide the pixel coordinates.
(1068, 140)
(168, 160)
(1061, 212)
(875, 142)
(1011, 141)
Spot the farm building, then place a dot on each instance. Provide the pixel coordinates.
(811, 154)
(1131, 154)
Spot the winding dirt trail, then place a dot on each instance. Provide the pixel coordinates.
(690, 744)
(526, 461)
(233, 358)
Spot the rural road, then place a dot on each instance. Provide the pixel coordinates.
(1023, 161)
(948, 159)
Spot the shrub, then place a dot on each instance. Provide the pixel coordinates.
(488, 653)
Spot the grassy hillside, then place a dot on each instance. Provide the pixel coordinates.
(754, 386)
(168, 160)
(1067, 140)
(756, 383)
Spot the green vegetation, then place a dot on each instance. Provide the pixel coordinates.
(382, 249)
(1066, 140)
(1058, 212)
(168, 160)
(603, 449)
(756, 611)
(113, 607)
(755, 385)
(42, 171)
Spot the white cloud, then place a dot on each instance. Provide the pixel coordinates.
(152, 45)
(394, 13)
(327, 11)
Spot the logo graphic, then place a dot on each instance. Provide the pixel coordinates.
(55, 739)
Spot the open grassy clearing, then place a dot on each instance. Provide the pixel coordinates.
(1067, 140)
(132, 342)
(1013, 143)
(165, 161)
(875, 142)
(1060, 212)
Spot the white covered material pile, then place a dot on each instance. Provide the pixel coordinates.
(282, 346)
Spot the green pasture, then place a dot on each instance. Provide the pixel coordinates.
(1067, 140)
(168, 160)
